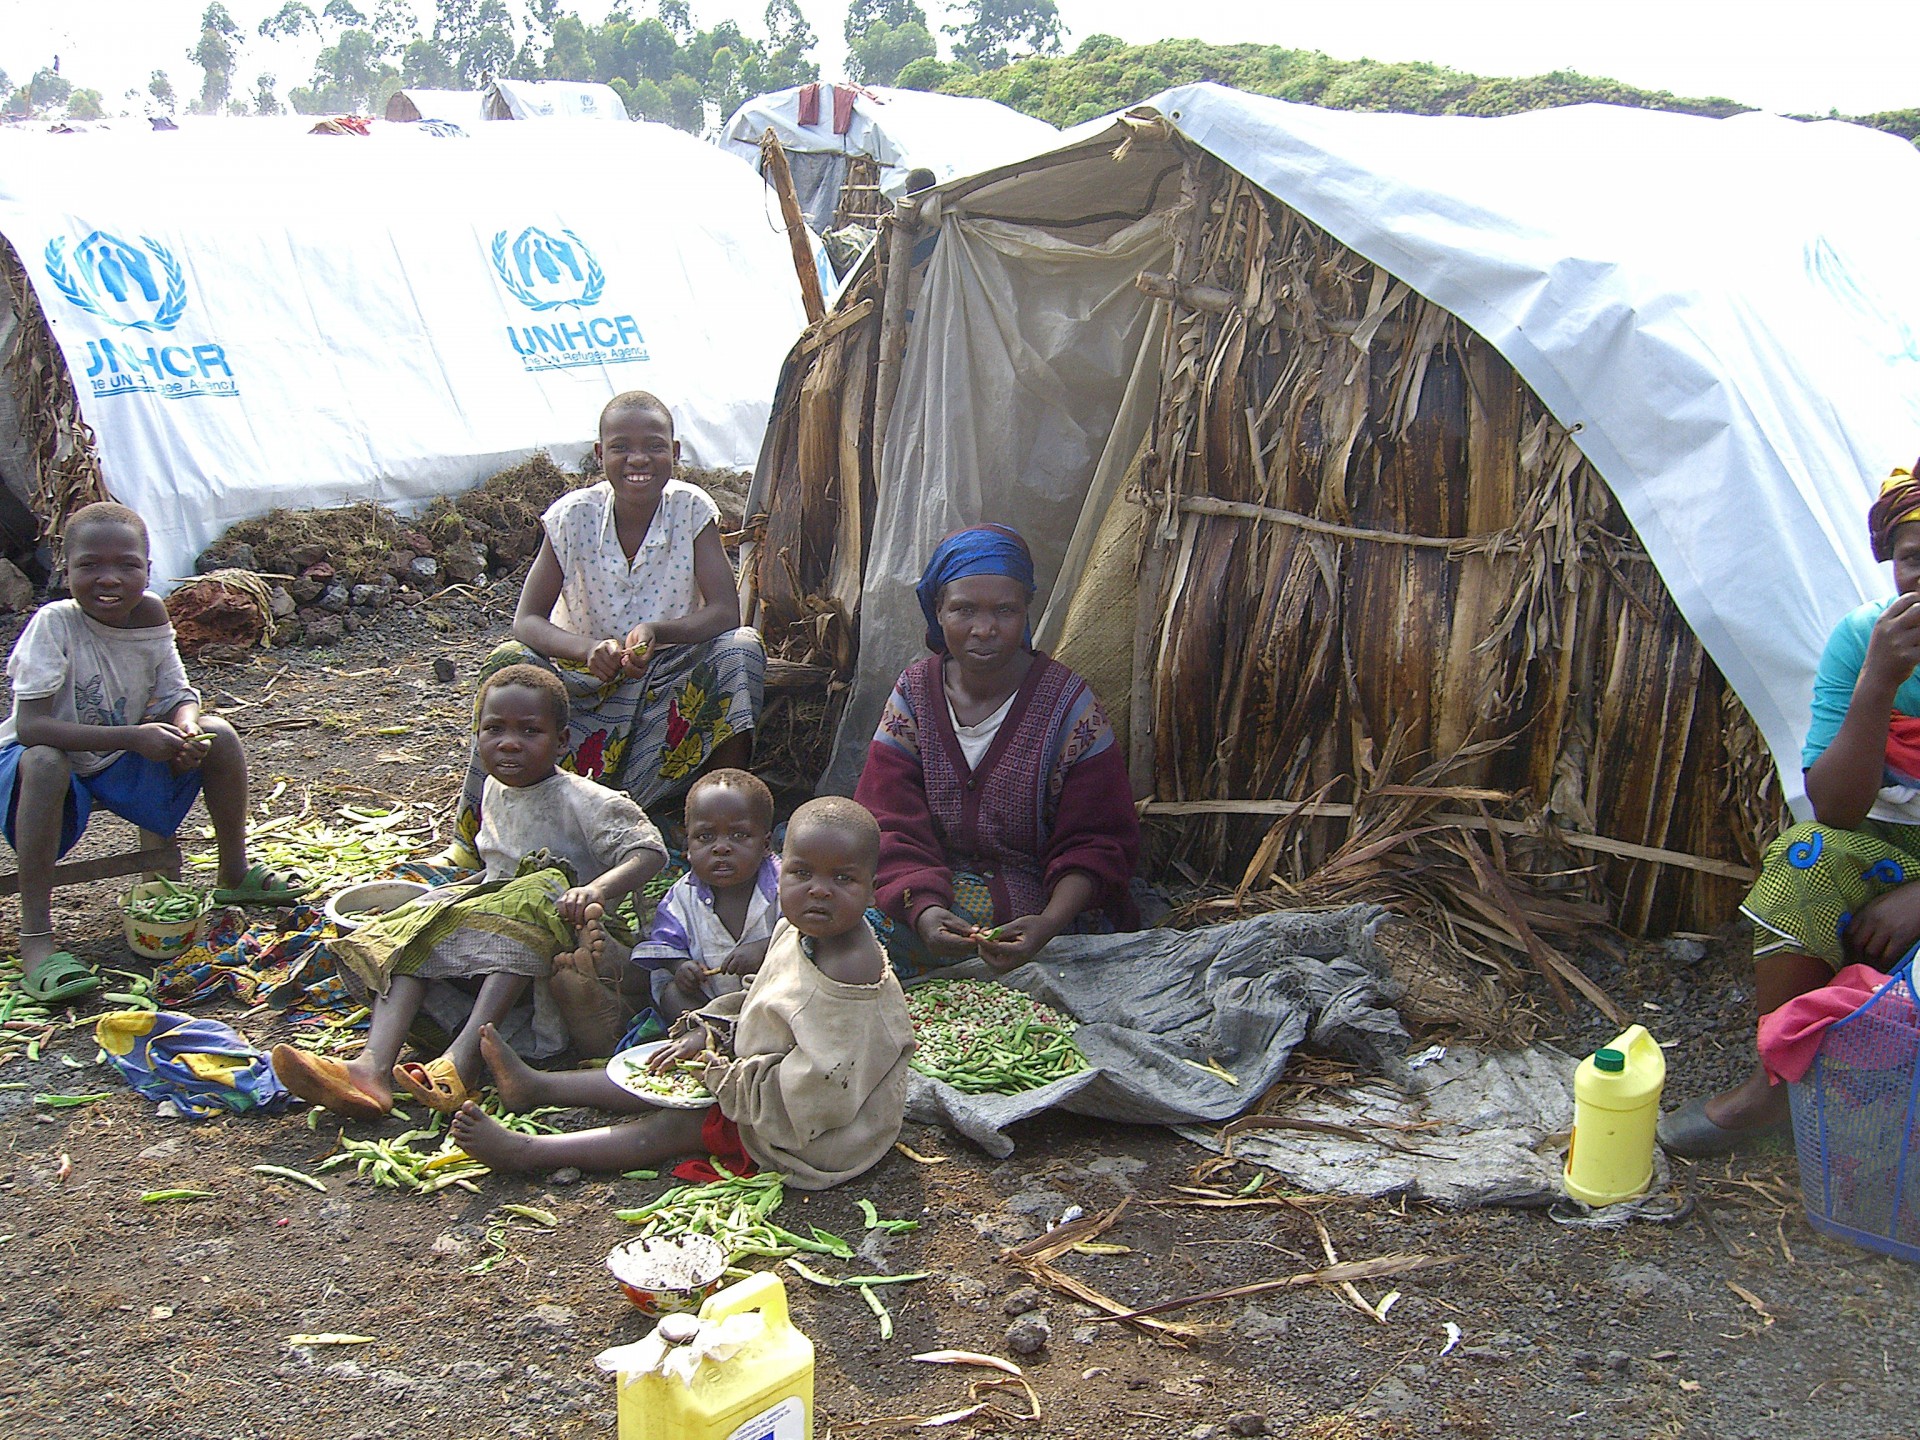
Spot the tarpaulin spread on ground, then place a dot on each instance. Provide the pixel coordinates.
(951, 135)
(254, 318)
(1724, 313)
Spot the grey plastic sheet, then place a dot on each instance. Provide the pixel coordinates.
(1156, 1006)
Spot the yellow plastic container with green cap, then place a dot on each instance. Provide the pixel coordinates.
(761, 1391)
(1616, 1105)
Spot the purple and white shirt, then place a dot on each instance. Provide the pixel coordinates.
(686, 927)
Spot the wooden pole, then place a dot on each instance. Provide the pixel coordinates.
(773, 166)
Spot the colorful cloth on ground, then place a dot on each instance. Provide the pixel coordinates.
(590, 827)
(1050, 797)
(202, 1066)
(95, 674)
(978, 550)
(1814, 879)
(140, 791)
(722, 1139)
(1898, 502)
(603, 594)
(647, 735)
(687, 927)
(1790, 1036)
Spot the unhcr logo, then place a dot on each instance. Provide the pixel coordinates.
(547, 272)
(136, 287)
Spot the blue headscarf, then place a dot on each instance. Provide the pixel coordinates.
(978, 550)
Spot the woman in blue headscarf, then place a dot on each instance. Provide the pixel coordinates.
(1004, 808)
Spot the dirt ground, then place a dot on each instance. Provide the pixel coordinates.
(130, 1320)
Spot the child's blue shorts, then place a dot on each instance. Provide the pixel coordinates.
(145, 792)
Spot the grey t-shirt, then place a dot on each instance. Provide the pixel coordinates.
(95, 674)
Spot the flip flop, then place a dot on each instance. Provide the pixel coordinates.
(61, 976)
(436, 1084)
(1692, 1134)
(257, 887)
(322, 1080)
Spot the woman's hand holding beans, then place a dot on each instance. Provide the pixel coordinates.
(945, 933)
(1015, 942)
(605, 660)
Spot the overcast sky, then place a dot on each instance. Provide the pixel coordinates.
(1806, 56)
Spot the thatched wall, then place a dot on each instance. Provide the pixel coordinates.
(1393, 636)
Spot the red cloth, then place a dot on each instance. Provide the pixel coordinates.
(722, 1139)
(1050, 796)
(1903, 747)
(810, 104)
(843, 98)
(1790, 1036)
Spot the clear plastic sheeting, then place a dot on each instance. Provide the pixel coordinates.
(1023, 348)
(255, 318)
(1163, 1012)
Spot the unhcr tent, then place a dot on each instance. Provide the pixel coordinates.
(552, 100)
(830, 130)
(1466, 499)
(465, 108)
(219, 321)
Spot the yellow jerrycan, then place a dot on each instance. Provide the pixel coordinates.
(1616, 1104)
(762, 1391)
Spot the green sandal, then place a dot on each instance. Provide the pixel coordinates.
(258, 887)
(62, 976)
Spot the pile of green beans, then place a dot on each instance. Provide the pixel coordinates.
(733, 1212)
(987, 1039)
(331, 855)
(166, 903)
(677, 1082)
(396, 1165)
(25, 1024)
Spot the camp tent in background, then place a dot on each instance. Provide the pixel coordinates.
(459, 107)
(1434, 503)
(229, 319)
(552, 100)
(850, 147)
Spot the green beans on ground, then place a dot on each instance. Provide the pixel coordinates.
(984, 1038)
(734, 1212)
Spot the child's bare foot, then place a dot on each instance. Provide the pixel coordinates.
(595, 1015)
(490, 1142)
(516, 1080)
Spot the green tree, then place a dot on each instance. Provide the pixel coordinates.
(990, 31)
(568, 57)
(677, 16)
(161, 88)
(85, 105)
(265, 101)
(686, 105)
(475, 37)
(215, 54)
(424, 67)
(863, 15)
(349, 76)
(345, 14)
(288, 21)
(880, 52)
(928, 74)
(47, 90)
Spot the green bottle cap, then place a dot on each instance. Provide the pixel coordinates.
(1611, 1061)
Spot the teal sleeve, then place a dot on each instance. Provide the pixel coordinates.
(1839, 672)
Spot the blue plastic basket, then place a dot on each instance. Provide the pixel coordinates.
(1856, 1120)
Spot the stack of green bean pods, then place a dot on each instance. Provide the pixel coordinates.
(983, 1038)
(166, 903)
(397, 1165)
(735, 1213)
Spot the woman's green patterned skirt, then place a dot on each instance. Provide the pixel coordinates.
(1814, 879)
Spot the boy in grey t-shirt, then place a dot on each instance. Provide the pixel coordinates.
(103, 715)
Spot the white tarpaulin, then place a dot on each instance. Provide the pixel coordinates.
(552, 100)
(256, 319)
(951, 135)
(1724, 313)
